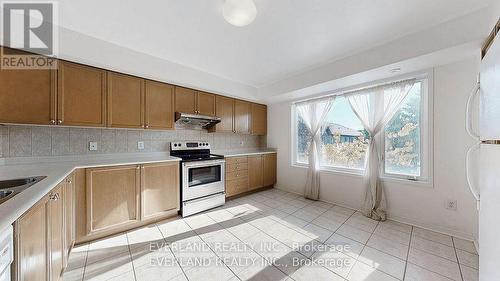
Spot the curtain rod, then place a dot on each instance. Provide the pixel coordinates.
(342, 93)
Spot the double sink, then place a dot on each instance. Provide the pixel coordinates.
(9, 188)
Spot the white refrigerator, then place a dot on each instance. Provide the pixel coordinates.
(483, 162)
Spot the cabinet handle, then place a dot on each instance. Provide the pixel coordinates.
(59, 121)
(146, 126)
(52, 122)
(70, 181)
(54, 196)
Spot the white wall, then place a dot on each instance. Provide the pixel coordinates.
(419, 205)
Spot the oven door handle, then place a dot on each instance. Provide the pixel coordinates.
(203, 164)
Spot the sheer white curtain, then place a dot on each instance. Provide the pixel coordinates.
(314, 113)
(375, 107)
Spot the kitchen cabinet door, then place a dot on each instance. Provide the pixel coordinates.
(112, 198)
(269, 169)
(31, 259)
(259, 119)
(57, 231)
(159, 101)
(242, 112)
(160, 189)
(185, 100)
(81, 95)
(28, 96)
(125, 101)
(224, 109)
(255, 172)
(205, 104)
(69, 216)
(236, 186)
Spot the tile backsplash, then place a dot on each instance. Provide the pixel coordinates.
(29, 141)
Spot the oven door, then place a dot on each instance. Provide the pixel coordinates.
(202, 178)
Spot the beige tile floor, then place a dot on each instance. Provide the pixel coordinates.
(275, 235)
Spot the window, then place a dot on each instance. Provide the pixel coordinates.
(404, 141)
(402, 137)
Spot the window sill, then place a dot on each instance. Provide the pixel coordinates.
(338, 171)
(359, 174)
(419, 183)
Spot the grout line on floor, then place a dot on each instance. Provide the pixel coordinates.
(130, 255)
(408, 253)
(458, 261)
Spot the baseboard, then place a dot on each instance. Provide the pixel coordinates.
(435, 228)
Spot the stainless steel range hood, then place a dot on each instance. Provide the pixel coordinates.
(196, 120)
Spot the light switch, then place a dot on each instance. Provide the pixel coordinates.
(92, 145)
(140, 145)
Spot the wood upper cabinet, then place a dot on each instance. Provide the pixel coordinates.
(269, 161)
(242, 114)
(31, 249)
(224, 109)
(185, 100)
(28, 96)
(57, 231)
(255, 172)
(81, 95)
(125, 101)
(205, 103)
(194, 102)
(159, 189)
(159, 111)
(112, 197)
(259, 119)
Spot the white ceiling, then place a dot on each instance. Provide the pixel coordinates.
(288, 36)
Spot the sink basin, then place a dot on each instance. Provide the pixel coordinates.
(9, 188)
(5, 193)
(17, 182)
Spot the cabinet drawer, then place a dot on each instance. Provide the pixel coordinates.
(234, 187)
(236, 160)
(243, 174)
(236, 167)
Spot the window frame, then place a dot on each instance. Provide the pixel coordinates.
(426, 137)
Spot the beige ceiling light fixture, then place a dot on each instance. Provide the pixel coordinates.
(239, 12)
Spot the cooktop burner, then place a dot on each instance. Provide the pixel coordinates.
(195, 157)
(193, 151)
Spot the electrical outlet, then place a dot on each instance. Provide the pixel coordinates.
(451, 205)
(92, 145)
(140, 145)
(242, 143)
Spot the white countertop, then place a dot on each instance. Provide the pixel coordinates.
(56, 169)
(243, 152)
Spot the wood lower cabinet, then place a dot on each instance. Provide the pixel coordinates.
(159, 190)
(41, 238)
(28, 96)
(31, 252)
(112, 197)
(247, 173)
(242, 116)
(236, 175)
(259, 119)
(69, 216)
(81, 95)
(269, 166)
(57, 232)
(125, 101)
(111, 200)
(205, 103)
(255, 172)
(159, 111)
